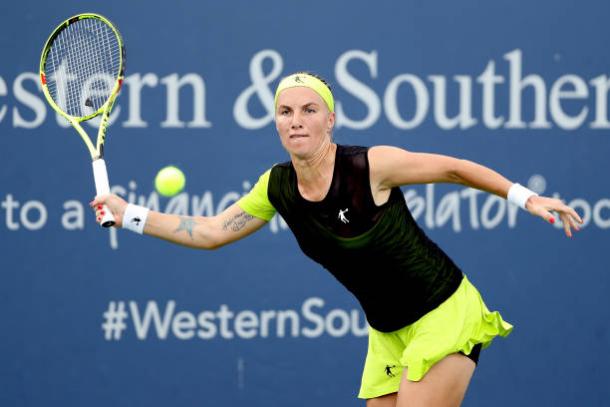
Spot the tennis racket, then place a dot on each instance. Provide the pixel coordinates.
(81, 71)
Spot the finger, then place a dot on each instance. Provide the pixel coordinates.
(572, 215)
(548, 216)
(575, 215)
(98, 200)
(568, 210)
(574, 223)
(566, 225)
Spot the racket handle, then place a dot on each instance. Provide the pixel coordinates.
(102, 187)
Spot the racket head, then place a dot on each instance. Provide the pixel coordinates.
(82, 66)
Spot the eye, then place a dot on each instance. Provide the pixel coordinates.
(310, 110)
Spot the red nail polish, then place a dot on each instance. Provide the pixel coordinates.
(99, 207)
(552, 220)
(102, 213)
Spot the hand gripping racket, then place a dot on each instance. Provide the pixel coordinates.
(81, 70)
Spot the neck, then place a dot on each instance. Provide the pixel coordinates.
(315, 172)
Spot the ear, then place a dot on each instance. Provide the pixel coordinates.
(331, 122)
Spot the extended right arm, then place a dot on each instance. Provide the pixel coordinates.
(199, 232)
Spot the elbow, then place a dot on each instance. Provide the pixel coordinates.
(212, 241)
(213, 246)
(206, 236)
(208, 244)
(203, 246)
(456, 172)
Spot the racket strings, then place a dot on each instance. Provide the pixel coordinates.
(82, 66)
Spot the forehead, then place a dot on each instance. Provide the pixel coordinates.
(299, 96)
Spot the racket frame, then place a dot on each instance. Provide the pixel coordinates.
(96, 151)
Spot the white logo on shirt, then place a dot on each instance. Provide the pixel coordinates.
(342, 217)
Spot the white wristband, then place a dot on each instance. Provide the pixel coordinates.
(519, 195)
(134, 218)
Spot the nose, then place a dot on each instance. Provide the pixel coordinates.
(296, 121)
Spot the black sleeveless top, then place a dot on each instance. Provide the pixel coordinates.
(378, 253)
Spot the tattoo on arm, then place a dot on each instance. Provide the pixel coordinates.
(237, 222)
(187, 224)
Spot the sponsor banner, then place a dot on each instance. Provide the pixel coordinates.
(109, 318)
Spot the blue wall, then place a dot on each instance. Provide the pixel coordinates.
(519, 86)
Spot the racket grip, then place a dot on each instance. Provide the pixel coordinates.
(102, 187)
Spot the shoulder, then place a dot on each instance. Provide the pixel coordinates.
(385, 162)
(280, 171)
(281, 177)
(383, 151)
(286, 164)
(379, 156)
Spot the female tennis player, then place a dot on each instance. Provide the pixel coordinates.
(344, 205)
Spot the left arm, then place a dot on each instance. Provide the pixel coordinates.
(391, 167)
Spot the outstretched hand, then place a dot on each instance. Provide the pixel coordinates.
(115, 204)
(543, 207)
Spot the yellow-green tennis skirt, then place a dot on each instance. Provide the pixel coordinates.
(457, 325)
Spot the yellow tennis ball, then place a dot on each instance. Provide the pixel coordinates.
(170, 181)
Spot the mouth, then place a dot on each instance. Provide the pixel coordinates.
(294, 136)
